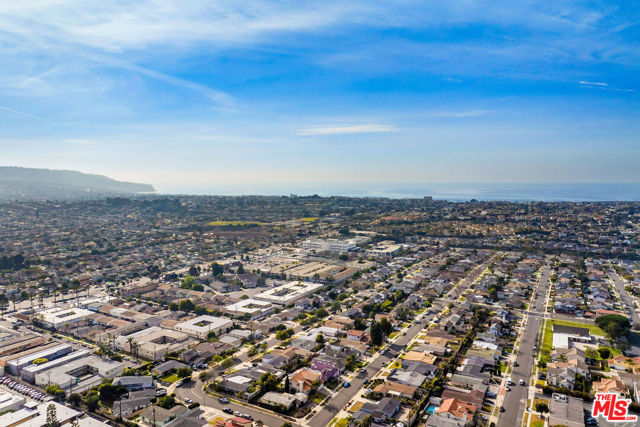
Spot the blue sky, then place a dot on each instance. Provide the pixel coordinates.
(181, 94)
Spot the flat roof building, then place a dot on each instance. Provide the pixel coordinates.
(56, 318)
(255, 308)
(288, 293)
(79, 375)
(15, 366)
(154, 342)
(200, 326)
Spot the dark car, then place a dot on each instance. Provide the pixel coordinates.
(502, 409)
(228, 411)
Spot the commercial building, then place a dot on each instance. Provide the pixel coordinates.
(154, 342)
(29, 373)
(288, 293)
(20, 343)
(56, 318)
(200, 326)
(256, 309)
(79, 375)
(15, 366)
(33, 415)
(329, 245)
(10, 402)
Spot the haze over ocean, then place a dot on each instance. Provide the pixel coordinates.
(570, 192)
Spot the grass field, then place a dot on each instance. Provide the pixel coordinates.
(221, 223)
(342, 422)
(170, 378)
(309, 219)
(547, 337)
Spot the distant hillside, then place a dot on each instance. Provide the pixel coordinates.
(46, 184)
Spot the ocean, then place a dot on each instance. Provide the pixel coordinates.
(552, 192)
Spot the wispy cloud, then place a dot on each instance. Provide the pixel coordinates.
(23, 114)
(461, 114)
(588, 83)
(345, 130)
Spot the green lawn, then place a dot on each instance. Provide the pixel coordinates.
(593, 328)
(170, 378)
(547, 335)
(342, 422)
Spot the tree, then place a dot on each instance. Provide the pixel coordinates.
(359, 324)
(203, 376)
(604, 352)
(186, 305)
(52, 416)
(193, 271)
(614, 325)
(367, 421)
(592, 353)
(268, 382)
(351, 362)
(91, 402)
(287, 386)
(286, 424)
(376, 334)
(183, 372)
(240, 269)
(188, 282)
(386, 326)
(542, 407)
(320, 339)
(173, 306)
(216, 269)
(167, 402)
(75, 399)
(227, 363)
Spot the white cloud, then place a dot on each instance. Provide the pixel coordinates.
(461, 114)
(587, 83)
(345, 130)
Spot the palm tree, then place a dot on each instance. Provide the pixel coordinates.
(14, 298)
(75, 285)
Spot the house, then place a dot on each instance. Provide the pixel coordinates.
(275, 399)
(564, 336)
(457, 409)
(167, 367)
(396, 389)
(326, 367)
(566, 410)
(356, 335)
(135, 383)
(416, 356)
(305, 379)
(407, 377)
(610, 385)
(381, 411)
(561, 376)
(234, 422)
(157, 416)
(473, 397)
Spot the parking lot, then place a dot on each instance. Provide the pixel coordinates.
(25, 390)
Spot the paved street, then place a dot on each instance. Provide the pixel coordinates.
(334, 406)
(516, 399)
(634, 337)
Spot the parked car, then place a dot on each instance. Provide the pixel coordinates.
(223, 400)
(228, 411)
